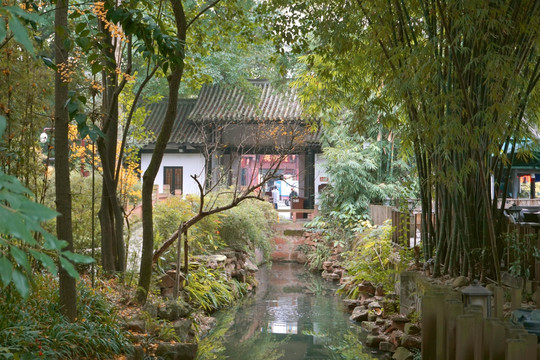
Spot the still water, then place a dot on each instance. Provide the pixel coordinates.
(294, 315)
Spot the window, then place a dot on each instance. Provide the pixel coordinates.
(172, 176)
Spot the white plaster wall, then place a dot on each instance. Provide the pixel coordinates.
(192, 164)
(320, 172)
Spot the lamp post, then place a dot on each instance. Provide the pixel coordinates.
(476, 294)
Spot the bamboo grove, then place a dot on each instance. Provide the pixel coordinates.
(463, 75)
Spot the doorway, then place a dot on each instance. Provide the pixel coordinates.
(172, 176)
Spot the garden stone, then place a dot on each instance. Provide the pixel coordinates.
(460, 281)
(374, 340)
(379, 291)
(386, 346)
(301, 258)
(410, 342)
(372, 316)
(330, 276)
(395, 337)
(183, 330)
(241, 275)
(174, 310)
(399, 322)
(359, 314)
(177, 351)
(412, 329)
(370, 327)
(151, 309)
(217, 258)
(251, 267)
(138, 353)
(367, 288)
(350, 304)
(402, 354)
(374, 305)
(136, 325)
(206, 323)
(368, 301)
(511, 281)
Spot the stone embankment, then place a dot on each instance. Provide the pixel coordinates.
(374, 310)
(166, 327)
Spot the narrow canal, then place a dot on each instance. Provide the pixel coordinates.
(293, 316)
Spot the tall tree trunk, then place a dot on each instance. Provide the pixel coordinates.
(110, 213)
(174, 80)
(148, 184)
(68, 293)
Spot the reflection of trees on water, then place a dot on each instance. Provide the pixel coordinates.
(347, 347)
(299, 318)
(251, 343)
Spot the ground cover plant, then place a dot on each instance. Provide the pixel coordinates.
(36, 329)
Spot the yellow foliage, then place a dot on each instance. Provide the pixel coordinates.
(129, 192)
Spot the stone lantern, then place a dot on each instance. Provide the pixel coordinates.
(476, 294)
(514, 212)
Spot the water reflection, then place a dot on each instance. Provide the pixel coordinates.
(294, 315)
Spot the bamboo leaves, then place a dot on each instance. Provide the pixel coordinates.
(20, 234)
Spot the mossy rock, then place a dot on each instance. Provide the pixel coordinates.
(174, 310)
(293, 232)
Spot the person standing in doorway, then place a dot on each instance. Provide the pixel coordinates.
(275, 197)
(292, 196)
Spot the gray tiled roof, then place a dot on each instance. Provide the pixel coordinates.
(183, 131)
(218, 103)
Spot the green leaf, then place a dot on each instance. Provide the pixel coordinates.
(12, 223)
(20, 34)
(37, 211)
(75, 15)
(49, 63)
(80, 118)
(21, 283)
(77, 258)
(96, 67)
(68, 44)
(20, 257)
(80, 27)
(33, 17)
(72, 107)
(46, 260)
(6, 270)
(68, 266)
(84, 43)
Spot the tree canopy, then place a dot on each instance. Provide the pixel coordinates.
(463, 76)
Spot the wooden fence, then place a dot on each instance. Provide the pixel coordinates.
(450, 332)
(407, 224)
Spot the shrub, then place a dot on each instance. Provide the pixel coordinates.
(169, 214)
(373, 257)
(81, 196)
(249, 226)
(36, 329)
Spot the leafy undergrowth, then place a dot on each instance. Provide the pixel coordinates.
(35, 328)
